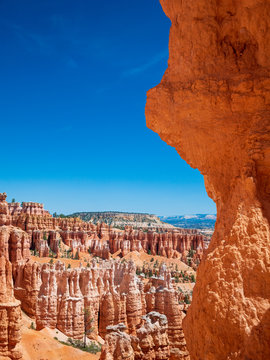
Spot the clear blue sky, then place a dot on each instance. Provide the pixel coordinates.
(74, 77)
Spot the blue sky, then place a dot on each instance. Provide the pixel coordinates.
(74, 77)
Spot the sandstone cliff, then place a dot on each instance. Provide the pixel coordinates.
(150, 341)
(213, 106)
(47, 235)
(11, 248)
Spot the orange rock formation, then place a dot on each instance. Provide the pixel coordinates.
(48, 233)
(110, 291)
(10, 311)
(150, 342)
(170, 244)
(213, 106)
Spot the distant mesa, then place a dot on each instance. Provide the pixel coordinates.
(120, 220)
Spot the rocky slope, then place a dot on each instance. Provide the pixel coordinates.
(213, 106)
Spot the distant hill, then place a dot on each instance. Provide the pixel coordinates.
(195, 221)
(121, 219)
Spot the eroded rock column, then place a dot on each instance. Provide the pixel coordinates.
(213, 106)
(10, 314)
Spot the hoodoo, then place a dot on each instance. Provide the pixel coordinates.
(213, 106)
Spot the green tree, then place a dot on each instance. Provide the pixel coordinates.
(187, 299)
(87, 325)
(191, 253)
(13, 200)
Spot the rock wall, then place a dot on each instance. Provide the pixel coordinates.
(46, 233)
(110, 293)
(170, 244)
(213, 106)
(12, 247)
(29, 208)
(10, 314)
(151, 341)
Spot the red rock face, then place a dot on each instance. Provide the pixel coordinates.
(5, 217)
(14, 248)
(10, 313)
(213, 106)
(46, 234)
(111, 293)
(29, 208)
(151, 340)
(118, 344)
(169, 244)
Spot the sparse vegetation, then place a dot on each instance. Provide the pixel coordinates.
(92, 348)
(187, 299)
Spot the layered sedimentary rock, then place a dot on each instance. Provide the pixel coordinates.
(213, 106)
(149, 342)
(5, 218)
(110, 293)
(48, 233)
(10, 311)
(117, 344)
(29, 208)
(170, 244)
